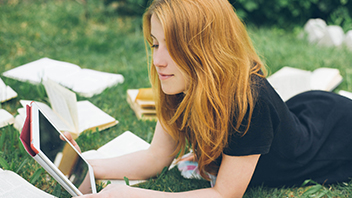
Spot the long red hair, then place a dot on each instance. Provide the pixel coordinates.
(210, 44)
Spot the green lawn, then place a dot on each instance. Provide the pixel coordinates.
(94, 37)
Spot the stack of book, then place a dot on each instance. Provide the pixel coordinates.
(142, 103)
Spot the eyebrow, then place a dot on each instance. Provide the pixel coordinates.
(153, 37)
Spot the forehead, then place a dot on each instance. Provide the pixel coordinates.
(157, 31)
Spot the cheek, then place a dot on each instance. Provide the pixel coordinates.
(184, 81)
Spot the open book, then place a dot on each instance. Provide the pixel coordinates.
(347, 94)
(13, 185)
(6, 92)
(290, 81)
(6, 118)
(123, 144)
(85, 82)
(68, 114)
(142, 103)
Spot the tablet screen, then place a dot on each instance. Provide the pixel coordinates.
(61, 154)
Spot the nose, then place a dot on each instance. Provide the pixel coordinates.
(159, 58)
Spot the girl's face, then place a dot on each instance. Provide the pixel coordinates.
(172, 79)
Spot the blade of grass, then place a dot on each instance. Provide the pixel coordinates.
(4, 164)
(36, 175)
(22, 164)
(57, 191)
(127, 181)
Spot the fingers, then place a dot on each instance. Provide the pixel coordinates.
(67, 135)
(85, 196)
(71, 140)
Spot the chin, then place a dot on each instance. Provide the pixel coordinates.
(172, 91)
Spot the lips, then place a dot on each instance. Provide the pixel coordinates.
(165, 76)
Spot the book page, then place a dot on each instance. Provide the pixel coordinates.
(325, 79)
(123, 144)
(49, 113)
(290, 81)
(56, 120)
(6, 118)
(63, 102)
(12, 185)
(122, 182)
(20, 118)
(89, 82)
(143, 109)
(86, 82)
(145, 98)
(90, 116)
(346, 94)
(92, 154)
(6, 92)
(145, 94)
(36, 71)
(19, 121)
(132, 93)
(2, 84)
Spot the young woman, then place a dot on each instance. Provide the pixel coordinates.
(211, 92)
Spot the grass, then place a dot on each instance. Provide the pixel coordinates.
(94, 37)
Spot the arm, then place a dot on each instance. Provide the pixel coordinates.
(141, 164)
(233, 178)
(234, 175)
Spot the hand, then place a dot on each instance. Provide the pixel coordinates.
(71, 140)
(112, 190)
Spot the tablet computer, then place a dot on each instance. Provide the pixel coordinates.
(58, 157)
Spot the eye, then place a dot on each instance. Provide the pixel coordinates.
(155, 46)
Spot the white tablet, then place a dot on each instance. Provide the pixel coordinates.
(59, 158)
